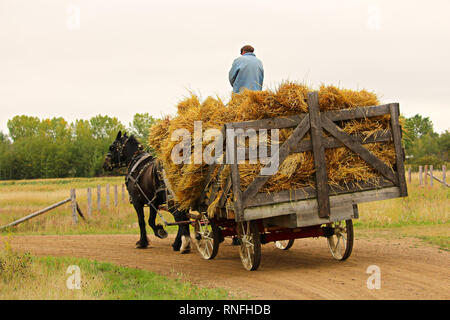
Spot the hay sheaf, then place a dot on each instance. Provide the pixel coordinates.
(343, 166)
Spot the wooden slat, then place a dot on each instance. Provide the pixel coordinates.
(296, 136)
(337, 213)
(399, 153)
(272, 123)
(319, 155)
(357, 113)
(280, 209)
(356, 147)
(293, 121)
(332, 142)
(310, 193)
(231, 150)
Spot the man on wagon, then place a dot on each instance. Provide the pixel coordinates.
(247, 71)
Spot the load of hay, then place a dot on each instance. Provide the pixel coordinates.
(297, 171)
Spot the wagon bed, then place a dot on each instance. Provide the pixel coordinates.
(257, 217)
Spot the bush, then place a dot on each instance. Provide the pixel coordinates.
(14, 264)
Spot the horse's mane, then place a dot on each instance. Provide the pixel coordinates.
(132, 140)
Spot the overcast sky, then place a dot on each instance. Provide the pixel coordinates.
(124, 57)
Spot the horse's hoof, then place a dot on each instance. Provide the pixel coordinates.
(185, 245)
(161, 233)
(141, 245)
(185, 251)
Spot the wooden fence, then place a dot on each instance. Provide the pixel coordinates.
(75, 207)
(108, 202)
(427, 175)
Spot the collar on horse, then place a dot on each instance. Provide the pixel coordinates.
(138, 160)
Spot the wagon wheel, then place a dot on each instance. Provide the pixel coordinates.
(250, 248)
(341, 242)
(284, 244)
(207, 237)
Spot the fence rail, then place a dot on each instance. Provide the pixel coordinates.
(427, 175)
(75, 207)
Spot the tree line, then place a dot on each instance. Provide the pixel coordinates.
(423, 146)
(54, 148)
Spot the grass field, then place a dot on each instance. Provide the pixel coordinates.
(20, 198)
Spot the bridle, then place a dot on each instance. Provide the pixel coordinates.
(119, 152)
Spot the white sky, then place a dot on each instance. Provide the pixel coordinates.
(135, 56)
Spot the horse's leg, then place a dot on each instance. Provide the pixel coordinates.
(143, 241)
(157, 229)
(177, 243)
(183, 230)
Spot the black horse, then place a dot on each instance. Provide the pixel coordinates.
(146, 188)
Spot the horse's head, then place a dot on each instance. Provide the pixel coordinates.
(117, 156)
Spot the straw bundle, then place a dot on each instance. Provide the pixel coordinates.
(297, 170)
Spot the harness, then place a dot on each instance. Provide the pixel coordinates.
(135, 180)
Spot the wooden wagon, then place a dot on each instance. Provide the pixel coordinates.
(257, 218)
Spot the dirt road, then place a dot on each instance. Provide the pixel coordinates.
(409, 268)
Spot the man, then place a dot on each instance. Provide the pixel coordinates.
(247, 71)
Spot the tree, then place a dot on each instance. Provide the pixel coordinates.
(105, 128)
(142, 122)
(423, 145)
(444, 145)
(5, 156)
(416, 127)
(23, 127)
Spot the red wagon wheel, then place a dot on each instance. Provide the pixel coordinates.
(250, 248)
(284, 244)
(341, 242)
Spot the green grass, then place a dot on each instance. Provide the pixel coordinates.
(121, 283)
(23, 276)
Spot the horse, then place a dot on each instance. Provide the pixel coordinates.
(146, 188)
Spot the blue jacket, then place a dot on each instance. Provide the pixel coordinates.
(247, 72)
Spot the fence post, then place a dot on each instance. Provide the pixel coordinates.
(409, 174)
(420, 176)
(443, 173)
(116, 196)
(89, 202)
(73, 199)
(107, 196)
(99, 198)
(123, 193)
(426, 174)
(431, 175)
